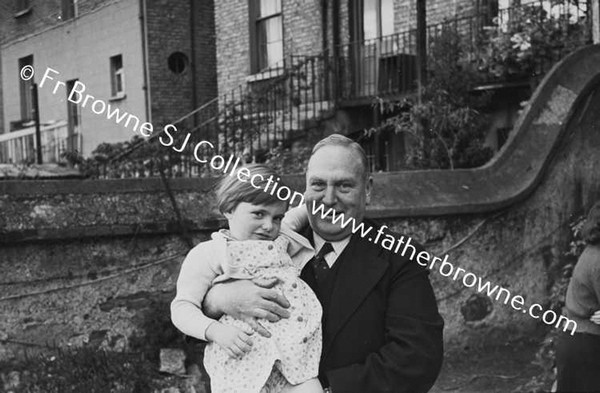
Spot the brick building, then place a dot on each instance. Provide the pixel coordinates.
(152, 59)
(323, 62)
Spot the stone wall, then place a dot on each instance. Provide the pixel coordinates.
(89, 262)
(95, 262)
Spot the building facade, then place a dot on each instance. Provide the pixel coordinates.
(342, 54)
(154, 60)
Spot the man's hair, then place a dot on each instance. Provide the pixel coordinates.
(341, 140)
(591, 228)
(231, 190)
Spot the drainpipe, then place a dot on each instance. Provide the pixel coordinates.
(147, 92)
(193, 55)
(421, 47)
(324, 27)
(325, 46)
(335, 16)
(596, 21)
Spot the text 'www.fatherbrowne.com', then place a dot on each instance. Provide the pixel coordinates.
(79, 95)
(403, 246)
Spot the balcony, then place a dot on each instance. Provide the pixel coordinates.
(19, 147)
(517, 44)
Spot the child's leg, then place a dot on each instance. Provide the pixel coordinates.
(310, 386)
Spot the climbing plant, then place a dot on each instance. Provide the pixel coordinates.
(446, 129)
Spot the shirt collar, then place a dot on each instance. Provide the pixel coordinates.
(338, 246)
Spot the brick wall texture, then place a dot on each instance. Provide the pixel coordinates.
(303, 29)
(44, 14)
(80, 49)
(172, 28)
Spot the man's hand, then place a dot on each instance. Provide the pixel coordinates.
(233, 340)
(596, 317)
(247, 300)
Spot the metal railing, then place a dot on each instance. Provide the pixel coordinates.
(19, 147)
(281, 104)
(509, 44)
(273, 107)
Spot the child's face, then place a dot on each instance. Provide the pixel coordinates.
(256, 222)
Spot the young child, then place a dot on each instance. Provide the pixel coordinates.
(255, 246)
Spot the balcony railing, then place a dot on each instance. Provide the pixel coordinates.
(275, 107)
(281, 104)
(19, 147)
(515, 43)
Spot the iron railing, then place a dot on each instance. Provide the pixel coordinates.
(274, 107)
(19, 147)
(282, 104)
(515, 43)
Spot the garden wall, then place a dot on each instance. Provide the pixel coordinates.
(94, 262)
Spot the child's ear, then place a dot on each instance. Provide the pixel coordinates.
(227, 215)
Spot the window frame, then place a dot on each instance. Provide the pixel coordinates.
(258, 49)
(117, 76)
(25, 93)
(68, 9)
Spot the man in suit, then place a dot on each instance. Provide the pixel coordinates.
(381, 328)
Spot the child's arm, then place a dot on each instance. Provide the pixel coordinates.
(295, 219)
(195, 279)
(198, 271)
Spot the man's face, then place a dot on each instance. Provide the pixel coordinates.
(335, 179)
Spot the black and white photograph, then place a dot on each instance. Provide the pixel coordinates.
(299, 196)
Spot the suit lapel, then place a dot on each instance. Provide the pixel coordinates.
(361, 270)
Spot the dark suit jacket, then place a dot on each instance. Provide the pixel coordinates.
(383, 331)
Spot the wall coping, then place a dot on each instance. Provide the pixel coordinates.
(508, 178)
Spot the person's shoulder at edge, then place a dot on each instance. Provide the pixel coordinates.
(589, 260)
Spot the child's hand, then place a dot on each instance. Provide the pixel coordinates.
(596, 317)
(234, 341)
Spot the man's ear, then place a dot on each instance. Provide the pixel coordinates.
(369, 188)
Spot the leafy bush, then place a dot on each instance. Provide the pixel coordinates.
(527, 40)
(447, 127)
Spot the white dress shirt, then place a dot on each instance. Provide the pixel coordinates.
(338, 247)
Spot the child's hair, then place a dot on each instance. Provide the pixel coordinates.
(231, 190)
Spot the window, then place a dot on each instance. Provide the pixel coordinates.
(68, 8)
(489, 10)
(177, 62)
(266, 34)
(378, 18)
(25, 90)
(117, 77)
(73, 120)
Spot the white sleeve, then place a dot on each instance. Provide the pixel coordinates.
(296, 218)
(200, 267)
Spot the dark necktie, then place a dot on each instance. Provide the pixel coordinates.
(320, 266)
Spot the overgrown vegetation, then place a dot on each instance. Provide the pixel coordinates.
(447, 127)
(86, 370)
(527, 40)
(546, 354)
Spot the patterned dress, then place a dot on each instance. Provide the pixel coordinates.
(294, 348)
